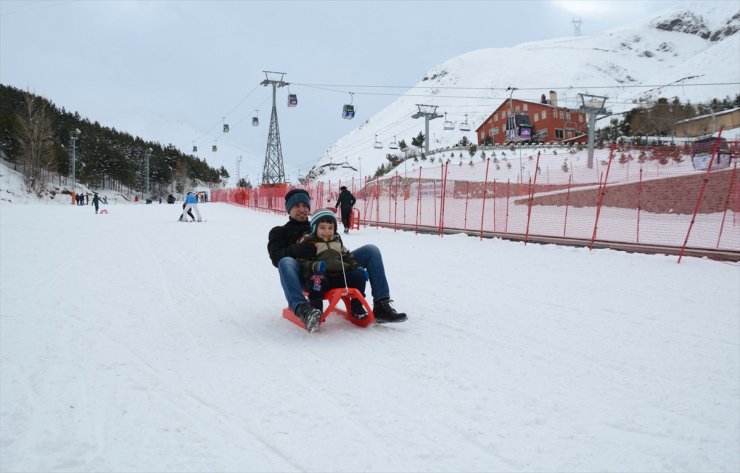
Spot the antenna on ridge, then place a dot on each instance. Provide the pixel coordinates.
(576, 26)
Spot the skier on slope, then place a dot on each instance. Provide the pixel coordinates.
(191, 202)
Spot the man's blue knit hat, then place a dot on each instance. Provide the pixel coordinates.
(323, 215)
(296, 196)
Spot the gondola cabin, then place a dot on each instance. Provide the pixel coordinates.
(292, 100)
(348, 112)
(518, 127)
(226, 128)
(214, 148)
(195, 149)
(255, 121)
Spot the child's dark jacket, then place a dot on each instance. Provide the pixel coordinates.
(328, 252)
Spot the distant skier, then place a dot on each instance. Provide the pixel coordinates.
(96, 201)
(347, 201)
(191, 203)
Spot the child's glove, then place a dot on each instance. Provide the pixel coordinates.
(318, 267)
(364, 272)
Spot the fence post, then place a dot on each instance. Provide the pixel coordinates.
(567, 202)
(508, 193)
(494, 205)
(395, 212)
(485, 187)
(727, 203)
(531, 196)
(715, 149)
(467, 194)
(418, 202)
(639, 205)
(443, 200)
(602, 193)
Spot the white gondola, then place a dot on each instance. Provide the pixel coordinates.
(448, 125)
(377, 144)
(464, 126)
(393, 144)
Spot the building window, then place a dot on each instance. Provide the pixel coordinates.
(525, 107)
(494, 131)
(559, 134)
(544, 114)
(580, 117)
(517, 109)
(495, 117)
(567, 115)
(560, 114)
(536, 117)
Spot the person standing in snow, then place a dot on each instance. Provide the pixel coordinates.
(334, 265)
(346, 200)
(96, 201)
(191, 203)
(284, 251)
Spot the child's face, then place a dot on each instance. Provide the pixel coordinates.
(325, 230)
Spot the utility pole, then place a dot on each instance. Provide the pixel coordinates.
(272, 170)
(147, 157)
(593, 105)
(73, 137)
(429, 112)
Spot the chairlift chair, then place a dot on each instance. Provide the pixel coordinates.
(464, 126)
(393, 144)
(377, 144)
(448, 125)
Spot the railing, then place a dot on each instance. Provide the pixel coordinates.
(634, 196)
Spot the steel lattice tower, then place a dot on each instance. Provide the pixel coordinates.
(272, 170)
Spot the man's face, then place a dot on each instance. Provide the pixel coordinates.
(299, 212)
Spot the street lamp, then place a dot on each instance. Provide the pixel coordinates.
(73, 137)
(593, 105)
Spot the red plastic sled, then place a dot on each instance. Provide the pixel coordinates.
(334, 296)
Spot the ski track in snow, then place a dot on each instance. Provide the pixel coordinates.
(133, 342)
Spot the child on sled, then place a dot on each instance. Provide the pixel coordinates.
(334, 265)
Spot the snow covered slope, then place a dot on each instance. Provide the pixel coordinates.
(131, 342)
(689, 45)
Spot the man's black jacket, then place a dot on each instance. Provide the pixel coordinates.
(282, 241)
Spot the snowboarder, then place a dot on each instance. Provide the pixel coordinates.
(347, 201)
(284, 251)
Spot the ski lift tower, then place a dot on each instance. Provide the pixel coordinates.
(272, 170)
(593, 105)
(429, 112)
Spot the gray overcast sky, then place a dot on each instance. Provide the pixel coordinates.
(168, 71)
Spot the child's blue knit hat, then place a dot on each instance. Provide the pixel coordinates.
(323, 215)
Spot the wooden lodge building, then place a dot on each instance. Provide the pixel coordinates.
(533, 121)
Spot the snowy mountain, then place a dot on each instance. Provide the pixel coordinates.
(689, 51)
